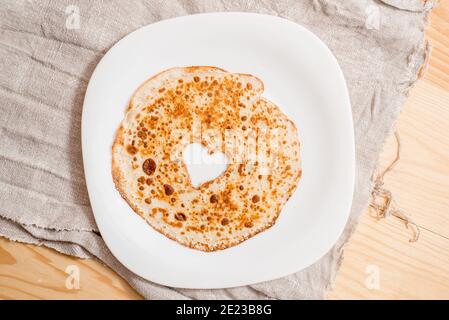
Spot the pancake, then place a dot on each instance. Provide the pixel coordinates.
(225, 113)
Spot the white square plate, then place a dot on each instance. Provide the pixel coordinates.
(300, 75)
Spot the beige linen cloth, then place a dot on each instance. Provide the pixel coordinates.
(49, 49)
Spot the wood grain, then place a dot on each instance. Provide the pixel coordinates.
(32, 272)
(420, 184)
(438, 35)
(407, 270)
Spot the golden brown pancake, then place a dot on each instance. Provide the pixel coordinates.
(225, 113)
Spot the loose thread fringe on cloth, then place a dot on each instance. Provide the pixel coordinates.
(382, 199)
(383, 202)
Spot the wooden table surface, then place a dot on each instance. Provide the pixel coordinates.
(379, 261)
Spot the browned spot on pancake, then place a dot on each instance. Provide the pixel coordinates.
(142, 135)
(255, 198)
(147, 200)
(168, 189)
(224, 221)
(248, 224)
(180, 216)
(131, 149)
(214, 198)
(242, 169)
(149, 166)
